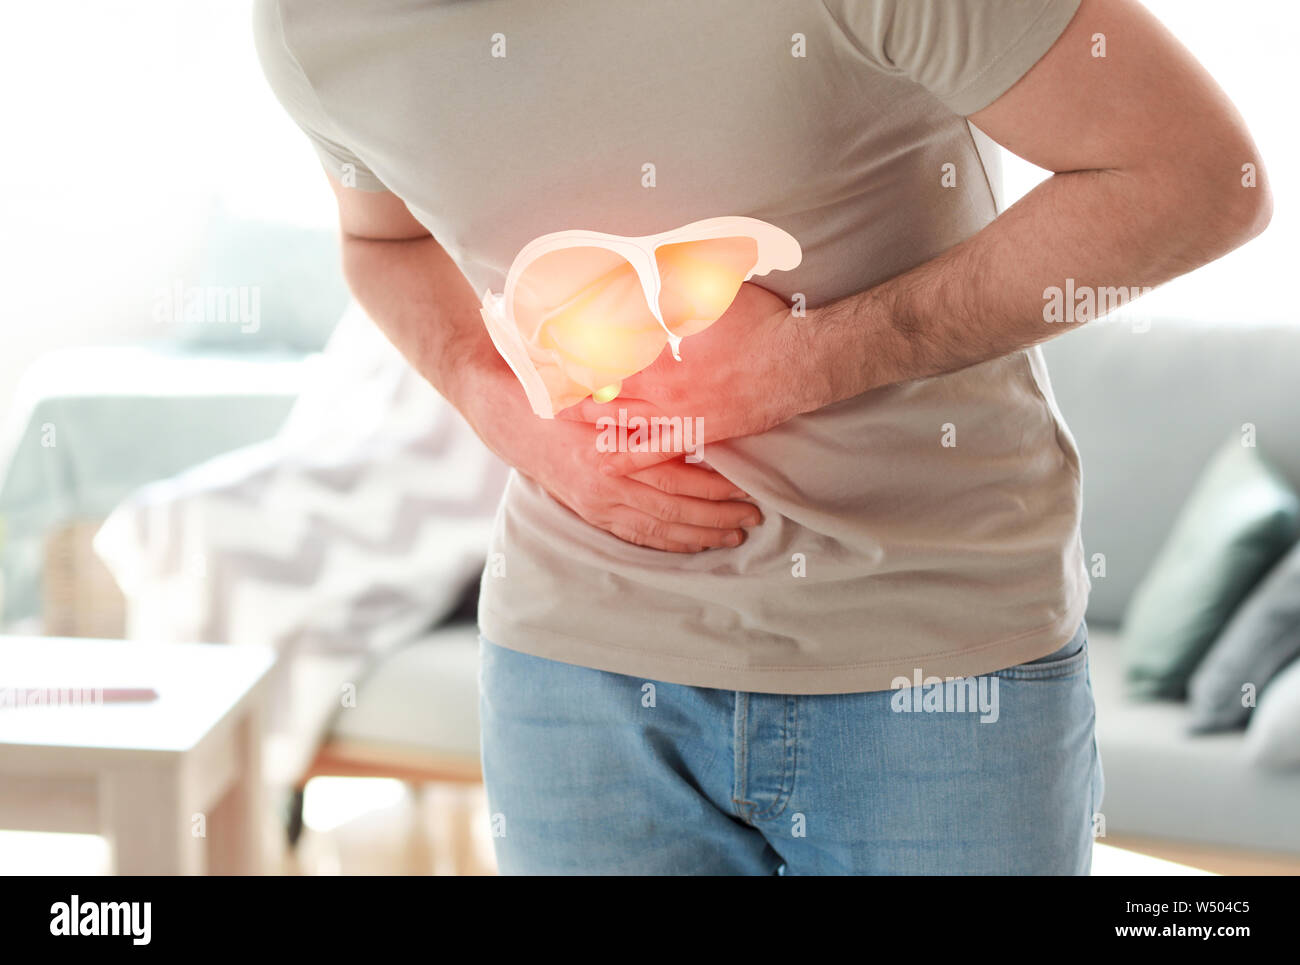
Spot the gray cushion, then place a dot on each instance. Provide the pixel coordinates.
(421, 697)
(1240, 518)
(1273, 737)
(1262, 637)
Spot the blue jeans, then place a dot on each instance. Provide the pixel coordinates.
(590, 772)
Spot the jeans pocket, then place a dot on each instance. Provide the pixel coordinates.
(1069, 660)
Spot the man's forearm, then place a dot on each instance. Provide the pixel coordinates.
(984, 298)
(417, 295)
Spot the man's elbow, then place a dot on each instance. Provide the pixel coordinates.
(1240, 203)
(1257, 210)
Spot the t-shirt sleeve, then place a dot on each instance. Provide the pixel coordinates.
(290, 85)
(967, 53)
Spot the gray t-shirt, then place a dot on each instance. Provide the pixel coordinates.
(885, 549)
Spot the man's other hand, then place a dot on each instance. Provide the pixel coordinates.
(672, 505)
(736, 378)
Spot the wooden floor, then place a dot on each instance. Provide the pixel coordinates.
(439, 830)
(1221, 861)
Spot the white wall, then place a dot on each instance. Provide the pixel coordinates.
(122, 121)
(1251, 49)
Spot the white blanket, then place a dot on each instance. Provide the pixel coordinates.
(354, 529)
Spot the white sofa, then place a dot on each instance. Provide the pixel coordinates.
(1147, 409)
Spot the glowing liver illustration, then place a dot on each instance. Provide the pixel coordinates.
(583, 310)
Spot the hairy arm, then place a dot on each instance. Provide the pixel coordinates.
(1147, 154)
(418, 296)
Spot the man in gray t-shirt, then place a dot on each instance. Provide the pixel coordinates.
(889, 492)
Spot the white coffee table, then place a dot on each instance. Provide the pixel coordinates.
(175, 784)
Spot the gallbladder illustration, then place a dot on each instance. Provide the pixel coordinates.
(583, 310)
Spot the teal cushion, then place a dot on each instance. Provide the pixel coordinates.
(1240, 518)
(261, 286)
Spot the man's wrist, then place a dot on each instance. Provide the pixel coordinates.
(470, 366)
(483, 389)
(800, 371)
(831, 348)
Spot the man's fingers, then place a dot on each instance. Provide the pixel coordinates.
(680, 478)
(629, 533)
(626, 463)
(633, 526)
(644, 435)
(590, 411)
(712, 513)
(583, 411)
